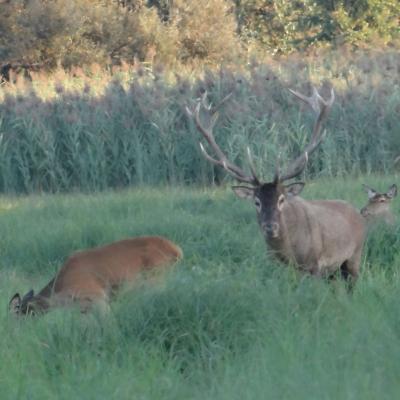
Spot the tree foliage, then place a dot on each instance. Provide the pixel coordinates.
(284, 26)
(78, 32)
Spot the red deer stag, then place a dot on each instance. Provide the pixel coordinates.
(93, 275)
(378, 206)
(318, 236)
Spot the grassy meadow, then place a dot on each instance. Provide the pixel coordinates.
(227, 323)
(90, 156)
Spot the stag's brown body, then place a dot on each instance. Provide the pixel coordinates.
(93, 275)
(319, 236)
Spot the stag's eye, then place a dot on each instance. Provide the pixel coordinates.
(257, 203)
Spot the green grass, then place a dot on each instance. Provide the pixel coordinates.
(228, 322)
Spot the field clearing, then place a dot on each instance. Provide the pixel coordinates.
(228, 322)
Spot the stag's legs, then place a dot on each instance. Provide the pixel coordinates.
(344, 271)
(315, 271)
(350, 269)
(353, 265)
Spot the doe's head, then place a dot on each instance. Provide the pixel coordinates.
(378, 203)
(22, 306)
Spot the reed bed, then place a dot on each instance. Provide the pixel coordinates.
(89, 130)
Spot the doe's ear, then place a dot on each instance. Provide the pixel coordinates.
(371, 192)
(15, 303)
(392, 192)
(243, 192)
(295, 188)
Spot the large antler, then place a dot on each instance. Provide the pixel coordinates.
(321, 107)
(207, 133)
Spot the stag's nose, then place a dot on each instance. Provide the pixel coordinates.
(271, 228)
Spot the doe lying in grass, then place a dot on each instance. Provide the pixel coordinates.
(93, 275)
(318, 236)
(378, 207)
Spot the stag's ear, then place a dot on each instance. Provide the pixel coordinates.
(371, 192)
(15, 304)
(294, 189)
(243, 192)
(392, 192)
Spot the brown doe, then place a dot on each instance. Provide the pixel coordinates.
(94, 275)
(319, 236)
(378, 207)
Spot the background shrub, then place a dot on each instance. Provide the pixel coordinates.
(81, 32)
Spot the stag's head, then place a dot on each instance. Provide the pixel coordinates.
(269, 197)
(269, 200)
(378, 205)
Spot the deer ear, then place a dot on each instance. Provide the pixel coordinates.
(392, 192)
(294, 189)
(15, 304)
(243, 192)
(371, 192)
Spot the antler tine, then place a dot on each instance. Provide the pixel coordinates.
(207, 133)
(252, 167)
(313, 100)
(321, 107)
(203, 100)
(277, 169)
(223, 101)
(209, 107)
(226, 166)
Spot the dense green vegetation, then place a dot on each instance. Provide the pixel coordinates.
(228, 323)
(92, 98)
(92, 130)
(43, 33)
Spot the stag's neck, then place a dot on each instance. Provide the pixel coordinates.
(289, 222)
(280, 249)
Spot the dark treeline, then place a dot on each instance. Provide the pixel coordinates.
(44, 33)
